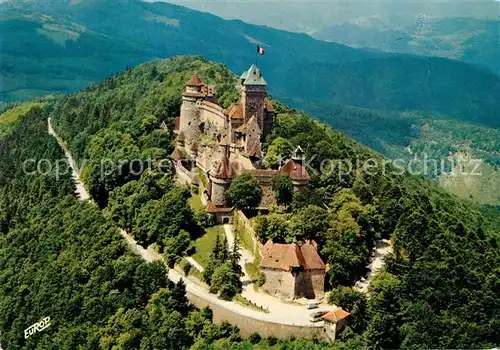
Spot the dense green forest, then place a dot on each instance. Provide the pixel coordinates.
(445, 268)
(65, 259)
(413, 135)
(61, 258)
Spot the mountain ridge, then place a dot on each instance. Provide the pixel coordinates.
(471, 40)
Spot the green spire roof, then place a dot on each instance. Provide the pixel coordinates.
(253, 76)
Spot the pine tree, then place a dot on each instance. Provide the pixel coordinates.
(235, 257)
(179, 294)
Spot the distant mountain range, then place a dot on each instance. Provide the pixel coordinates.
(467, 39)
(55, 46)
(63, 46)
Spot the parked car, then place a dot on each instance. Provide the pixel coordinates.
(312, 305)
(317, 316)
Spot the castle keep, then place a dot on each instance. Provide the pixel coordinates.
(225, 143)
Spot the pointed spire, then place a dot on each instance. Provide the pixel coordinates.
(253, 76)
(163, 126)
(177, 154)
(298, 154)
(195, 81)
(222, 169)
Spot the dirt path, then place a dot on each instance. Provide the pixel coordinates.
(81, 191)
(382, 248)
(195, 264)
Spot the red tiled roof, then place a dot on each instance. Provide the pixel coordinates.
(235, 111)
(263, 172)
(254, 150)
(295, 170)
(287, 256)
(336, 315)
(251, 124)
(269, 106)
(211, 208)
(195, 81)
(311, 257)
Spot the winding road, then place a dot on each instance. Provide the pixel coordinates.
(382, 248)
(279, 311)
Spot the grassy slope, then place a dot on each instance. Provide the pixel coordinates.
(481, 184)
(10, 118)
(205, 244)
(195, 202)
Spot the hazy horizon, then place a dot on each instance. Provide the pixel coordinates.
(312, 16)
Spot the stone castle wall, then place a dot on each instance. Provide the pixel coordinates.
(249, 325)
(279, 282)
(310, 284)
(218, 190)
(210, 112)
(253, 99)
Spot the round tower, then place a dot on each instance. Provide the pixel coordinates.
(220, 177)
(295, 169)
(190, 114)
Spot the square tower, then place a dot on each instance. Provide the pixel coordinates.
(253, 95)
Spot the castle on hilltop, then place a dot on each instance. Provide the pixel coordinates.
(225, 143)
(220, 144)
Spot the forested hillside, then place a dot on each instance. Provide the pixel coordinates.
(413, 135)
(440, 289)
(62, 259)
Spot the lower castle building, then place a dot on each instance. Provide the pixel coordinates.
(225, 143)
(293, 270)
